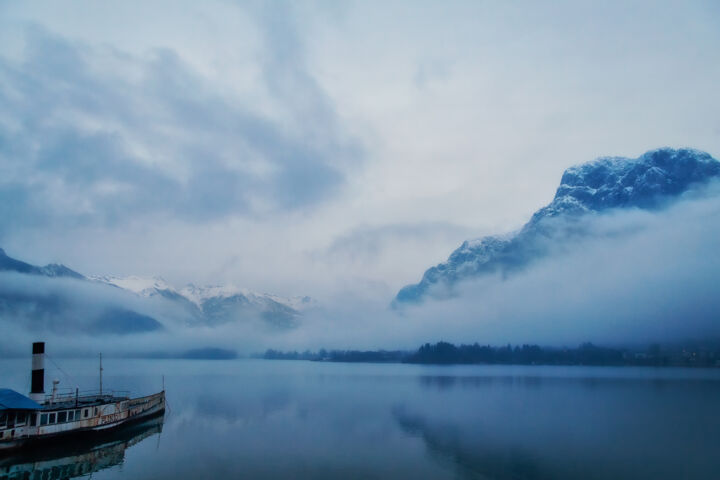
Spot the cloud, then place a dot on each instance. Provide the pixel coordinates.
(92, 135)
(373, 252)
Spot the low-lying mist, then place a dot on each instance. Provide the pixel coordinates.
(631, 278)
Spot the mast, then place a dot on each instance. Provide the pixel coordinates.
(101, 370)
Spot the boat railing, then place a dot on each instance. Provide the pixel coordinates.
(70, 395)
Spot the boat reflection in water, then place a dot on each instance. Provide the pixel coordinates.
(78, 458)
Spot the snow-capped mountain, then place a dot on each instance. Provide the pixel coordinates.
(217, 304)
(648, 182)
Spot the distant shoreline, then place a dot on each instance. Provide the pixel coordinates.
(587, 354)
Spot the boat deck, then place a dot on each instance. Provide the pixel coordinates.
(83, 399)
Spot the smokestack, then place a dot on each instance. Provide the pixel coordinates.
(37, 388)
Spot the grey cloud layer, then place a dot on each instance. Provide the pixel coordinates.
(85, 144)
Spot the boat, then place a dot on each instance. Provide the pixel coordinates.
(26, 421)
(80, 458)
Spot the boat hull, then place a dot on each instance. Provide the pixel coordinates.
(80, 457)
(110, 418)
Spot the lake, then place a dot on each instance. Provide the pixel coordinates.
(294, 419)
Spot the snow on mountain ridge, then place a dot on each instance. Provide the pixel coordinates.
(143, 286)
(198, 295)
(612, 182)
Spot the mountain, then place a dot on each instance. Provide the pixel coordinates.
(9, 264)
(215, 305)
(208, 306)
(44, 308)
(648, 182)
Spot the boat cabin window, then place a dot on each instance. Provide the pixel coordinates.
(43, 419)
(52, 418)
(71, 415)
(20, 418)
(77, 414)
(62, 417)
(3, 419)
(33, 419)
(85, 413)
(95, 411)
(11, 419)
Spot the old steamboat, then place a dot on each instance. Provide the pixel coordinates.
(41, 417)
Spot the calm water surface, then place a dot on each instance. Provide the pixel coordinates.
(284, 419)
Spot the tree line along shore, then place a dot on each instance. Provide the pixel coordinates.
(444, 353)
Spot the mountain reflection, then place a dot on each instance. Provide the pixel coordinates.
(525, 427)
(75, 459)
(473, 458)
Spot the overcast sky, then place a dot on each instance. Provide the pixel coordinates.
(322, 147)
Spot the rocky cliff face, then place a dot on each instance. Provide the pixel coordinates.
(651, 181)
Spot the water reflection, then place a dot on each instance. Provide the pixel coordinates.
(473, 458)
(75, 459)
(449, 382)
(530, 427)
